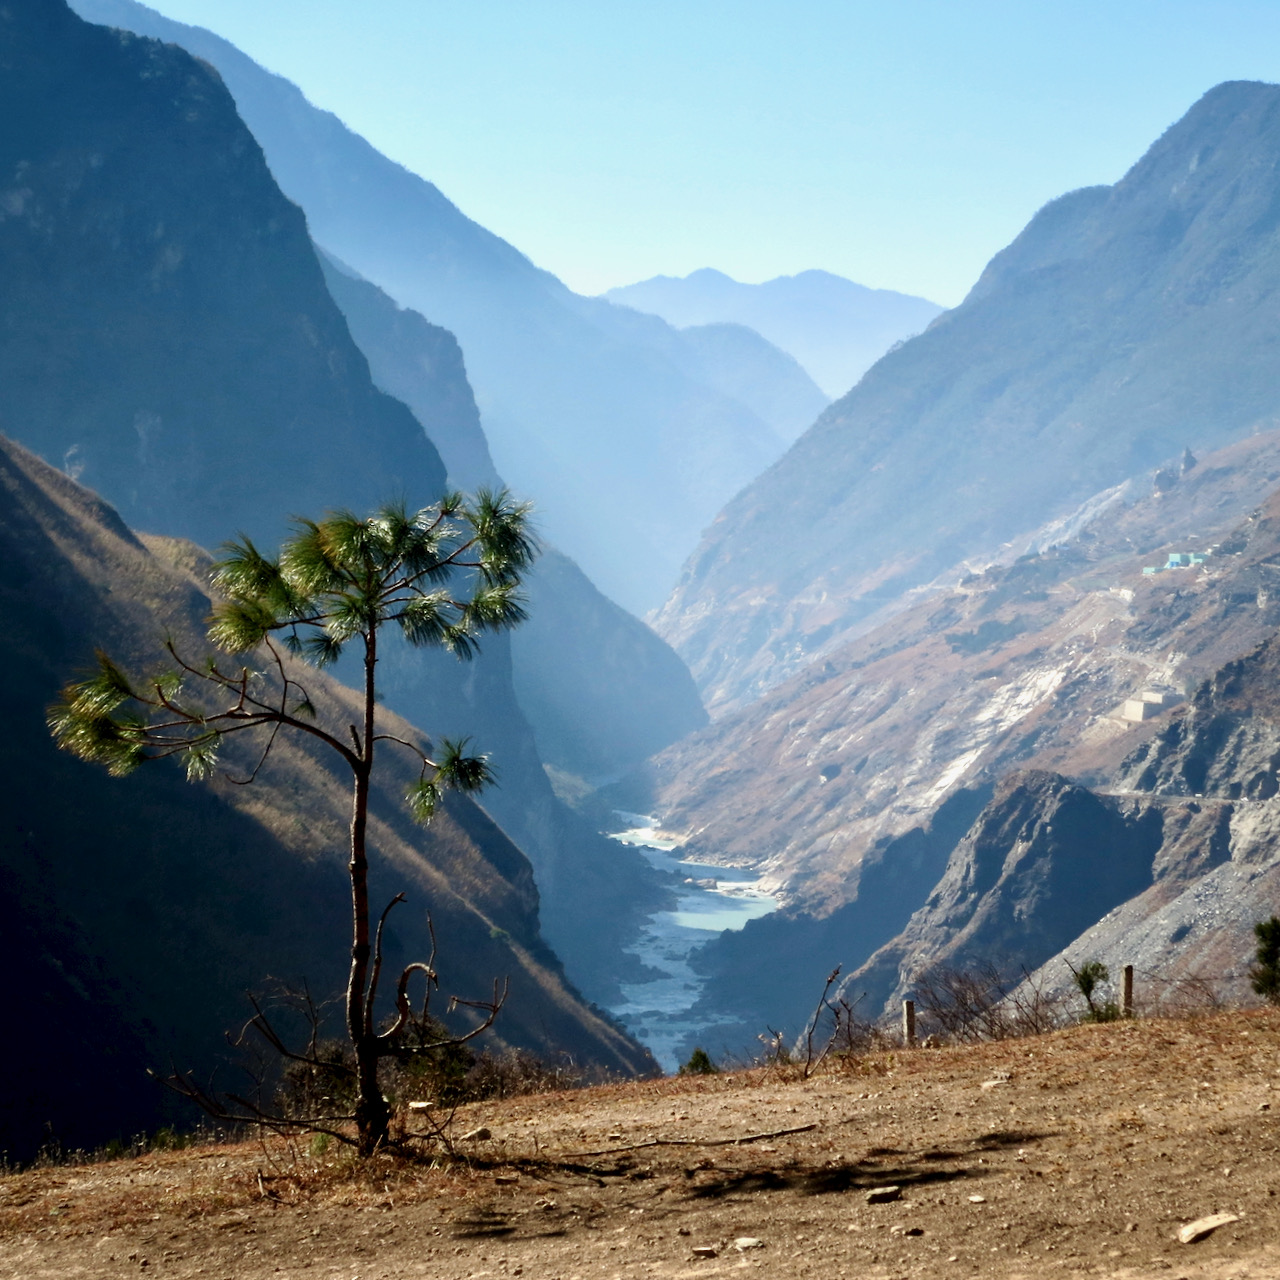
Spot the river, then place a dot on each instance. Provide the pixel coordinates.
(657, 1012)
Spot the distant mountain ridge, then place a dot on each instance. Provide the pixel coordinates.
(835, 328)
(598, 413)
(1124, 324)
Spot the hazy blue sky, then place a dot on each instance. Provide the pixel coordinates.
(899, 143)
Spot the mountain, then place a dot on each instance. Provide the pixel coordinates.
(850, 786)
(1166, 868)
(168, 333)
(1124, 324)
(178, 350)
(600, 689)
(836, 329)
(421, 365)
(589, 408)
(139, 911)
(739, 362)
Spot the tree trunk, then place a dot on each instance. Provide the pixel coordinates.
(371, 1112)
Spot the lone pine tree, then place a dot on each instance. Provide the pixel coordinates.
(442, 577)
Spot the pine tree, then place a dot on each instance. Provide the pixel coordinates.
(1265, 975)
(441, 577)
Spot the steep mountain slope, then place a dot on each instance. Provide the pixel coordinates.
(739, 362)
(224, 376)
(165, 331)
(1122, 325)
(838, 784)
(421, 365)
(138, 912)
(600, 689)
(1044, 861)
(1167, 868)
(836, 329)
(1034, 657)
(588, 407)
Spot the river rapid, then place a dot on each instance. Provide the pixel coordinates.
(710, 900)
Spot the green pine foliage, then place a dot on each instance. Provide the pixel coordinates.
(1265, 975)
(699, 1064)
(443, 576)
(1088, 978)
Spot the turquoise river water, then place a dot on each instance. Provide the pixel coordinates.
(657, 1012)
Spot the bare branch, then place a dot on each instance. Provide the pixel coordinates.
(491, 1007)
(427, 762)
(262, 759)
(376, 971)
(403, 1010)
(261, 1023)
(265, 715)
(810, 1064)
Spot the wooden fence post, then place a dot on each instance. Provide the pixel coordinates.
(909, 1023)
(1126, 1002)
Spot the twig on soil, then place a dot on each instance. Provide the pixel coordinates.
(694, 1142)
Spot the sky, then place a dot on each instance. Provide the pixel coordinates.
(900, 143)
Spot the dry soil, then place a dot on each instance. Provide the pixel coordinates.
(1078, 1153)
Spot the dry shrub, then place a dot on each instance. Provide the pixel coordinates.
(1191, 995)
(515, 1074)
(985, 1003)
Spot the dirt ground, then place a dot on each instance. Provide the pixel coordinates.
(1078, 1153)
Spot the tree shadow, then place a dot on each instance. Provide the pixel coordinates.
(881, 1166)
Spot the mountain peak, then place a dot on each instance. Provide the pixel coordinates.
(705, 275)
(835, 329)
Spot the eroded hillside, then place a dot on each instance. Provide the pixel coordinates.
(859, 786)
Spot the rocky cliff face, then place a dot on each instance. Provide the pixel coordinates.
(1212, 772)
(139, 911)
(165, 330)
(1166, 868)
(1124, 323)
(1225, 743)
(1044, 861)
